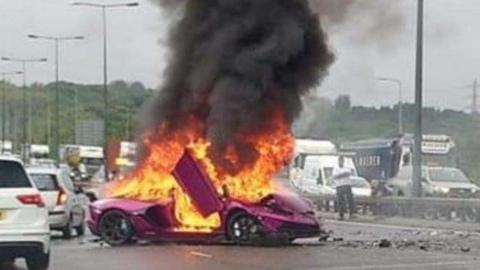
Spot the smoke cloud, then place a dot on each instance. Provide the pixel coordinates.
(373, 20)
(234, 61)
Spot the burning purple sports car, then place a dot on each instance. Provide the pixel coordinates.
(284, 216)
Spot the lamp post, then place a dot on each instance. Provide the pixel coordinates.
(4, 104)
(417, 150)
(104, 8)
(400, 102)
(24, 63)
(56, 41)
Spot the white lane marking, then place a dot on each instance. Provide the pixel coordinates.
(400, 266)
(397, 227)
(200, 254)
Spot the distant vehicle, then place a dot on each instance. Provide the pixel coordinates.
(436, 182)
(65, 209)
(378, 159)
(286, 216)
(381, 159)
(305, 148)
(6, 147)
(84, 161)
(316, 176)
(38, 151)
(24, 227)
(43, 162)
(440, 150)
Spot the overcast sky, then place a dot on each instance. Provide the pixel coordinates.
(452, 57)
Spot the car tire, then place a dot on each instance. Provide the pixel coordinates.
(38, 261)
(244, 229)
(115, 228)
(67, 230)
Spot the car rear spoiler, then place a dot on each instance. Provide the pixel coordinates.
(196, 183)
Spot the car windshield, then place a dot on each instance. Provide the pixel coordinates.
(12, 175)
(45, 182)
(447, 175)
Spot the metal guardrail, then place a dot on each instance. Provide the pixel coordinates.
(448, 209)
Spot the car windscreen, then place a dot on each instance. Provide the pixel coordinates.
(12, 175)
(45, 182)
(447, 175)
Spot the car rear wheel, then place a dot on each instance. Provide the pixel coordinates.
(115, 228)
(244, 229)
(38, 261)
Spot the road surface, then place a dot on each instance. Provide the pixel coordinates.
(356, 246)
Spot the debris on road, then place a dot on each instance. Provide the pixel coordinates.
(384, 243)
(200, 254)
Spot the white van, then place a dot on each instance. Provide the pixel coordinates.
(316, 176)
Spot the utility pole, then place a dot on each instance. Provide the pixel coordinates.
(475, 110)
(104, 8)
(56, 41)
(4, 105)
(25, 119)
(417, 150)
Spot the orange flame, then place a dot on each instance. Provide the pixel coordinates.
(152, 180)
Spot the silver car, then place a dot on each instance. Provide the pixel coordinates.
(65, 206)
(436, 182)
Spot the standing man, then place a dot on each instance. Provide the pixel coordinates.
(343, 183)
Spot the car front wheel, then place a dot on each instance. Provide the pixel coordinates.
(115, 228)
(38, 261)
(244, 229)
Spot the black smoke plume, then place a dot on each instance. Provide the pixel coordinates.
(234, 61)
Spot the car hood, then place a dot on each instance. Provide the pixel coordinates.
(293, 203)
(454, 185)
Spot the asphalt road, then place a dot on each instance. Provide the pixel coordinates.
(355, 247)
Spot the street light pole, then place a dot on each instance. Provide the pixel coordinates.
(106, 119)
(56, 41)
(417, 150)
(24, 63)
(4, 104)
(400, 101)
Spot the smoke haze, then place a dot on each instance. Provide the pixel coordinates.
(232, 63)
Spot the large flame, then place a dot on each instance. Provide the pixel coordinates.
(152, 180)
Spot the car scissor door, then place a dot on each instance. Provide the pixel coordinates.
(195, 182)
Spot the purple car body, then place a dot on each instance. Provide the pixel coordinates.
(278, 216)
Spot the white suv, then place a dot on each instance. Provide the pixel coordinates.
(24, 228)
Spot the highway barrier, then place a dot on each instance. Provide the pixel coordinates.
(448, 209)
